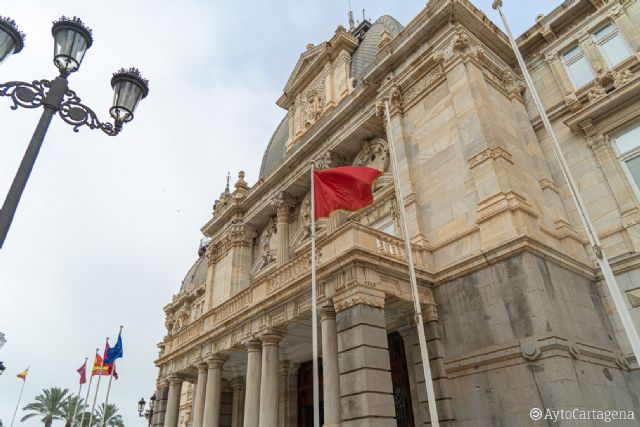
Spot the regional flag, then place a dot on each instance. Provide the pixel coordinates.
(109, 368)
(98, 367)
(23, 375)
(82, 370)
(345, 187)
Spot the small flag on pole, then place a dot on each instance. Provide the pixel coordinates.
(109, 368)
(114, 352)
(345, 187)
(23, 375)
(82, 370)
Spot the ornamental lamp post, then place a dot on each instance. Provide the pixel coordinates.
(72, 39)
(148, 414)
(2, 368)
(11, 38)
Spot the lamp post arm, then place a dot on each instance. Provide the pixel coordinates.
(75, 113)
(51, 101)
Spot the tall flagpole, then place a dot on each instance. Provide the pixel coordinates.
(602, 260)
(424, 353)
(75, 411)
(314, 308)
(106, 399)
(86, 399)
(95, 396)
(24, 381)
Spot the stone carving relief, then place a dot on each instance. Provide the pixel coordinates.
(313, 105)
(330, 160)
(266, 246)
(304, 220)
(375, 154)
(608, 81)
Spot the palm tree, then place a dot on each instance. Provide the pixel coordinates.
(111, 416)
(48, 405)
(69, 407)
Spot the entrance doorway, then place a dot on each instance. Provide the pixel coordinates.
(400, 380)
(305, 394)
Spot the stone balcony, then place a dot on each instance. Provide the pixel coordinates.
(351, 242)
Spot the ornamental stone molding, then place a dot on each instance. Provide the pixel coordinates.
(374, 154)
(328, 160)
(283, 203)
(490, 154)
(355, 294)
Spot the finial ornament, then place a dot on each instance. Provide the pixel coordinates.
(496, 4)
(226, 189)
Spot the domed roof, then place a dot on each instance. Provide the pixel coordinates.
(368, 48)
(197, 274)
(362, 57)
(274, 154)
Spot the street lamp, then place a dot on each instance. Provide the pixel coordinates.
(72, 39)
(11, 38)
(148, 414)
(2, 368)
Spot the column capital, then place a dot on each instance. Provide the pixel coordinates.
(202, 367)
(283, 203)
(358, 294)
(216, 361)
(253, 344)
(175, 380)
(271, 336)
(237, 383)
(327, 312)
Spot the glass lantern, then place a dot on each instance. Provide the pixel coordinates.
(71, 41)
(129, 87)
(11, 38)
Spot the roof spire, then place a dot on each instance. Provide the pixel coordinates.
(226, 189)
(351, 23)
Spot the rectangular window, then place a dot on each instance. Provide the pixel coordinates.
(612, 45)
(628, 145)
(578, 67)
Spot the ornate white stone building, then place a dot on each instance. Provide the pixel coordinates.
(516, 313)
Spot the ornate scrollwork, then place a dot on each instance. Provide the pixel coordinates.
(23, 94)
(75, 113)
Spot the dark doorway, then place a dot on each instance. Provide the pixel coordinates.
(305, 394)
(400, 380)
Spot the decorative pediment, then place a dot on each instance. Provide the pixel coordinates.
(305, 62)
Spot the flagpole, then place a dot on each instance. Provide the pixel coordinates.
(314, 308)
(86, 399)
(428, 380)
(24, 381)
(106, 399)
(95, 396)
(602, 260)
(75, 411)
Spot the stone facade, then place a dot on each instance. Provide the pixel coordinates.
(516, 314)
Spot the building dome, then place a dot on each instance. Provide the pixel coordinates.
(368, 48)
(362, 57)
(197, 275)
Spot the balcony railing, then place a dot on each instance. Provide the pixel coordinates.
(352, 236)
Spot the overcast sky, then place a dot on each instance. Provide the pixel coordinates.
(108, 227)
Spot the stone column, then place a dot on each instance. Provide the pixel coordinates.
(365, 373)
(160, 407)
(282, 204)
(211, 416)
(330, 371)
(198, 400)
(269, 381)
(252, 395)
(237, 406)
(173, 402)
(283, 394)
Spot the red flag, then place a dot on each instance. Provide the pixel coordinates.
(345, 187)
(82, 370)
(97, 363)
(109, 368)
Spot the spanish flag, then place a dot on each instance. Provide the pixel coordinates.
(23, 375)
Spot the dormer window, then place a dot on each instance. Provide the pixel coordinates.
(612, 45)
(578, 67)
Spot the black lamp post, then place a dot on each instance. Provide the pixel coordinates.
(2, 368)
(148, 414)
(72, 39)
